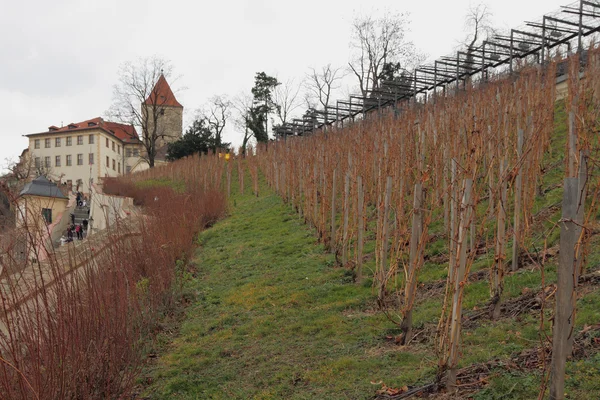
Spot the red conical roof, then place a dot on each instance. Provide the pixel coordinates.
(162, 94)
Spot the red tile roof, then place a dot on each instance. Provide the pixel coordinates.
(125, 133)
(162, 94)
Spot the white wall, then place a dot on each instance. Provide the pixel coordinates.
(106, 209)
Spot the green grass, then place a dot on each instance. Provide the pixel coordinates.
(275, 319)
(178, 186)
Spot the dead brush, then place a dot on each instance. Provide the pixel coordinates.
(74, 324)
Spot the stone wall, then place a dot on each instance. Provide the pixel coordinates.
(170, 123)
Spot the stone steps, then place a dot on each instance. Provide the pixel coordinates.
(80, 213)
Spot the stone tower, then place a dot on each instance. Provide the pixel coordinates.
(162, 106)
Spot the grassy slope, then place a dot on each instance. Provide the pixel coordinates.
(275, 319)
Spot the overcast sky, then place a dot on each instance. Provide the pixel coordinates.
(60, 58)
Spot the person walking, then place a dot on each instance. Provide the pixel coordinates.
(78, 232)
(85, 224)
(72, 219)
(70, 233)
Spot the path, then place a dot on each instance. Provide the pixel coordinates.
(274, 318)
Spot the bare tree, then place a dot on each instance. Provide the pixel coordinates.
(139, 101)
(285, 97)
(24, 169)
(378, 42)
(216, 113)
(320, 85)
(243, 104)
(478, 25)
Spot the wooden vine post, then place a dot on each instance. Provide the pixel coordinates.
(415, 262)
(332, 243)
(518, 199)
(564, 313)
(346, 219)
(459, 283)
(360, 229)
(498, 267)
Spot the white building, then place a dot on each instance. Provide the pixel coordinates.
(82, 153)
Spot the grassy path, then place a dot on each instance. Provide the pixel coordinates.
(275, 319)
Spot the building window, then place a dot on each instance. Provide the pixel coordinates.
(107, 145)
(69, 160)
(80, 139)
(57, 142)
(38, 162)
(119, 167)
(114, 164)
(79, 159)
(47, 214)
(128, 152)
(136, 152)
(47, 163)
(47, 143)
(69, 140)
(36, 143)
(91, 139)
(119, 148)
(107, 162)
(128, 169)
(91, 158)
(113, 146)
(57, 161)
